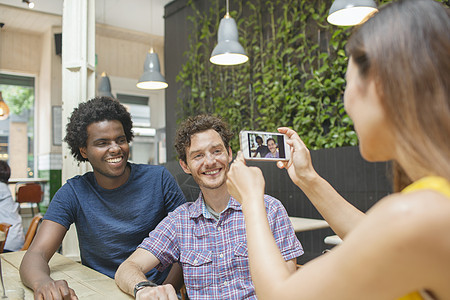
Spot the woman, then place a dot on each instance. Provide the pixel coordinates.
(398, 97)
(273, 149)
(9, 212)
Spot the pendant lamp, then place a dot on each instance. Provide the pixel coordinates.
(104, 88)
(228, 50)
(350, 12)
(4, 109)
(152, 78)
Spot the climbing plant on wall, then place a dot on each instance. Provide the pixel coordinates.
(294, 76)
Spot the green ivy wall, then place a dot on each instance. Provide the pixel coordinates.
(294, 77)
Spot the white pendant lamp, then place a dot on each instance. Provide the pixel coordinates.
(350, 12)
(152, 78)
(228, 50)
(104, 87)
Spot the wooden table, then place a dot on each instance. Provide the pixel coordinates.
(305, 224)
(27, 180)
(87, 283)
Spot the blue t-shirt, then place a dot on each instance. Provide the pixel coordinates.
(112, 223)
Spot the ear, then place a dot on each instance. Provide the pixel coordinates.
(230, 154)
(185, 167)
(83, 152)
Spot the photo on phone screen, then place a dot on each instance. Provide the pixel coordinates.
(258, 145)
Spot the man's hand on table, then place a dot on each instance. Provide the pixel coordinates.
(161, 292)
(55, 290)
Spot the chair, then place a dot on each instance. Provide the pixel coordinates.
(29, 193)
(183, 293)
(5, 228)
(31, 232)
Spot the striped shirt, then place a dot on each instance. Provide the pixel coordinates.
(213, 254)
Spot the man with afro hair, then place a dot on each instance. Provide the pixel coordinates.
(114, 207)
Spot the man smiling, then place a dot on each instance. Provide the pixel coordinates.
(114, 207)
(207, 237)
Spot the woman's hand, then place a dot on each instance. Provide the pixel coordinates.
(245, 183)
(299, 167)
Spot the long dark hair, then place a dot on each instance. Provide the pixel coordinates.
(405, 49)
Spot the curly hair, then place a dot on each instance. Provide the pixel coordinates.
(5, 171)
(197, 124)
(95, 110)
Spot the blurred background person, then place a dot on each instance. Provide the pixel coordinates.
(9, 212)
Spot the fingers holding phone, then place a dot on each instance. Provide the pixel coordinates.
(300, 167)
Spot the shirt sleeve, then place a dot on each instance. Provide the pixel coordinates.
(282, 229)
(173, 196)
(162, 243)
(62, 208)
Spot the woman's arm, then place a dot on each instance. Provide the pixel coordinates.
(340, 214)
(385, 257)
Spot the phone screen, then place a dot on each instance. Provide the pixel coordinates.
(266, 145)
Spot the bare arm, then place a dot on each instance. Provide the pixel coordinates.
(385, 257)
(34, 269)
(132, 271)
(340, 214)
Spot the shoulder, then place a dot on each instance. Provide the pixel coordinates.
(272, 202)
(179, 215)
(183, 209)
(275, 209)
(414, 225)
(403, 239)
(80, 180)
(4, 191)
(77, 183)
(415, 213)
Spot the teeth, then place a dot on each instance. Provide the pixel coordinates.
(114, 160)
(212, 172)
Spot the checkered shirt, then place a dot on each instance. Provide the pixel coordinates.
(213, 254)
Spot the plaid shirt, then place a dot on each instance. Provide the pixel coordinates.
(213, 254)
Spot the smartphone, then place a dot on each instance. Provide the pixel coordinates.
(264, 146)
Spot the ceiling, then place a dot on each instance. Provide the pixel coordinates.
(144, 16)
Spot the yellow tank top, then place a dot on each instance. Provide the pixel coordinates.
(436, 183)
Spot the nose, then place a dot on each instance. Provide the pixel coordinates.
(114, 147)
(210, 159)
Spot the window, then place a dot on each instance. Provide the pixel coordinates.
(17, 131)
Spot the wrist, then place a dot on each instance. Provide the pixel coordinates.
(142, 285)
(307, 179)
(253, 203)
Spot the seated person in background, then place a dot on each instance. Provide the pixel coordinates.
(262, 150)
(398, 96)
(113, 208)
(273, 148)
(9, 212)
(207, 237)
